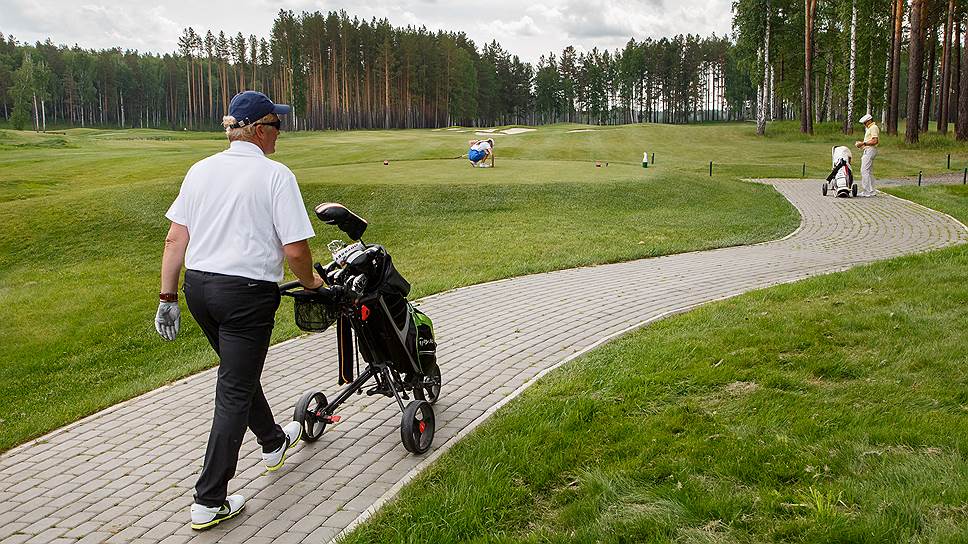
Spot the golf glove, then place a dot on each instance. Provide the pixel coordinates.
(167, 320)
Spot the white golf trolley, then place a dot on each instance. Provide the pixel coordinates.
(840, 182)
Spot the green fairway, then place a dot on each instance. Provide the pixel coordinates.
(82, 224)
(830, 410)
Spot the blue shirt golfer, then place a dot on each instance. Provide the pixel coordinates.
(237, 216)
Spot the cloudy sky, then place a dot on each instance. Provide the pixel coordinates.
(527, 29)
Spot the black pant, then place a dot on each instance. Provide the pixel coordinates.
(237, 315)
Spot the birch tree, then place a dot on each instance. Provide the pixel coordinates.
(764, 93)
(851, 86)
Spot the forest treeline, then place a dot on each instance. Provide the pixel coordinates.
(341, 73)
(812, 60)
(823, 60)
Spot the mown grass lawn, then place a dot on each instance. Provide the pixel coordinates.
(81, 226)
(830, 410)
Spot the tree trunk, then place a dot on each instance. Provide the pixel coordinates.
(895, 97)
(816, 103)
(764, 94)
(36, 114)
(211, 108)
(188, 98)
(915, 68)
(828, 89)
(765, 86)
(946, 71)
(851, 85)
(870, 83)
(927, 94)
(806, 112)
(954, 114)
(963, 97)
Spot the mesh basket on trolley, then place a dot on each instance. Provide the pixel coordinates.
(314, 312)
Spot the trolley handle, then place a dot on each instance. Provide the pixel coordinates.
(284, 288)
(338, 293)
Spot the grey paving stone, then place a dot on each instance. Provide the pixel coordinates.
(47, 535)
(162, 531)
(95, 538)
(105, 479)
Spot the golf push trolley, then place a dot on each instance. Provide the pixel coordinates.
(840, 182)
(367, 299)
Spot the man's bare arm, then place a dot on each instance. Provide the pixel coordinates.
(301, 263)
(173, 258)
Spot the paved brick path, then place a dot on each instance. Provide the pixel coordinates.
(126, 474)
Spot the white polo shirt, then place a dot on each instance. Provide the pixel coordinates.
(482, 145)
(240, 208)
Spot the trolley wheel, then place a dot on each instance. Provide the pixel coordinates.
(417, 428)
(309, 414)
(427, 386)
(824, 190)
(853, 190)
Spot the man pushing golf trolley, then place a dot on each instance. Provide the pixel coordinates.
(367, 299)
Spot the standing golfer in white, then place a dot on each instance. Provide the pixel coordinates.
(869, 145)
(237, 216)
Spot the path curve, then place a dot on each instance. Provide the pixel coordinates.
(103, 478)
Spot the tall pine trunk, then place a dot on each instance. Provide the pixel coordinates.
(895, 97)
(915, 68)
(806, 111)
(962, 125)
(946, 71)
(211, 108)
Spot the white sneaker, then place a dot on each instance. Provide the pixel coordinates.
(275, 459)
(204, 517)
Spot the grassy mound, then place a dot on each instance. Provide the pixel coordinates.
(82, 225)
(830, 410)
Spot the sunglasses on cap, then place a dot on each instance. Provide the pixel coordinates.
(275, 124)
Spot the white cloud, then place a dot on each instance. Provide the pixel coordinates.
(525, 26)
(525, 29)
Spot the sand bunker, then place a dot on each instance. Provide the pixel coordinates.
(581, 130)
(495, 132)
(518, 130)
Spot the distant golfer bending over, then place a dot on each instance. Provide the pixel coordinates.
(237, 215)
(869, 145)
(480, 151)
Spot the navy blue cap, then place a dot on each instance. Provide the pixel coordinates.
(249, 106)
